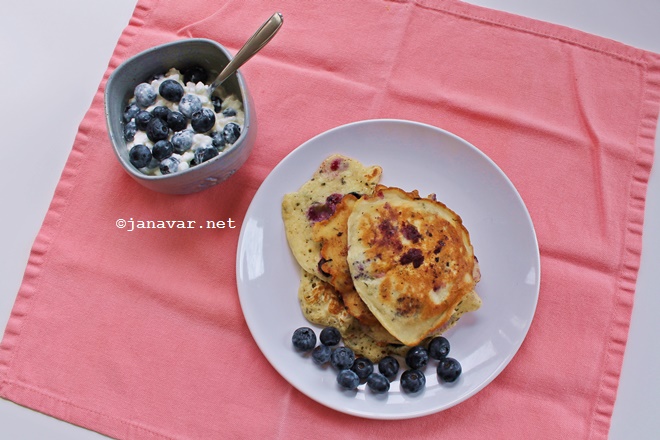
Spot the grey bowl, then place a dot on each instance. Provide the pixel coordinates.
(158, 60)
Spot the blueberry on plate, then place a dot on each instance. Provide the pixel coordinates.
(330, 336)
(449, 369)
(157, 130)
(176, 121)
(217, 103)
(162, 149)
(145, 95)
(195, 74)
(342, 358)
(439, 347)
(378, 383)
(160, 112)
(140, 156)
(182, 141)
(142, 118)
(202, 154)
(171, 90)
(388, 366)
(228, 112)
(348, 380)
(321, 354)
(129, 130)
(169, 165)
(363, 367)
(131, 111)
(304, 339)
(231, 132)
(412, 381)
(417, 357)
(203, 120)
(190, 104)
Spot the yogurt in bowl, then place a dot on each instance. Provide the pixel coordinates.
(157, 101)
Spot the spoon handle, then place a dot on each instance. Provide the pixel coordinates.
(260, 38)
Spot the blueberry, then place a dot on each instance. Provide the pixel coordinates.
(202, 154)
(363, 367)
(129, 130)
(182, 141)
(169, 165)
(388, 366)
(130, 112)
(449, 369)
(304, 339)
(171, 90)
(217, 103)
(157, 129)
(228, 112)
(412, 381)
(342, 358)
(176, 121)
(321, 354)
(347, 379)
(378, 383)
(218, 140)
(145, 95)
(330, 336)
(203, 120)
(190, 104)
(160, 112)
(231, 132)
(140, 156)
(194, 74)
(162, 149)
(142, 119)
(417, 357)
(439, 347)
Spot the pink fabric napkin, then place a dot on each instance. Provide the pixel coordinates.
(140, 334)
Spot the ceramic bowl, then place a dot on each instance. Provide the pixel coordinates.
(156, 61)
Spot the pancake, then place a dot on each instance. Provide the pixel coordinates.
(321, 304)
(411, 261)
(316, 200)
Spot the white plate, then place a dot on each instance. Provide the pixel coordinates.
(413, 156)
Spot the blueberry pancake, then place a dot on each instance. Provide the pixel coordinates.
(411, 262)
(317, 200)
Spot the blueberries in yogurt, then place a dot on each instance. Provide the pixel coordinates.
(190, 104)
(171, 124)
(231, 132)
(171, 90)
(202, 154)
(157, 130)
(217, 103)
(140, 156)
(160, 112)
(129, 130)
(162, 149)
(194, 74)
(131, 111)
(145, 95)
(176, 121)
(182, 141)
(142, 119)
(203, 120)
(169, 165)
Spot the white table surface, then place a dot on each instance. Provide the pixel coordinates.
(66, 46)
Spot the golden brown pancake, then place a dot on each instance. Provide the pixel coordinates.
(411, 261)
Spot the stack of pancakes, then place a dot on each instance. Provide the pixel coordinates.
(388, 268)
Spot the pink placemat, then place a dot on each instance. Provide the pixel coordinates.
(140, 334)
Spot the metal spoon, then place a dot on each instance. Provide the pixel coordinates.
(260, 38)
